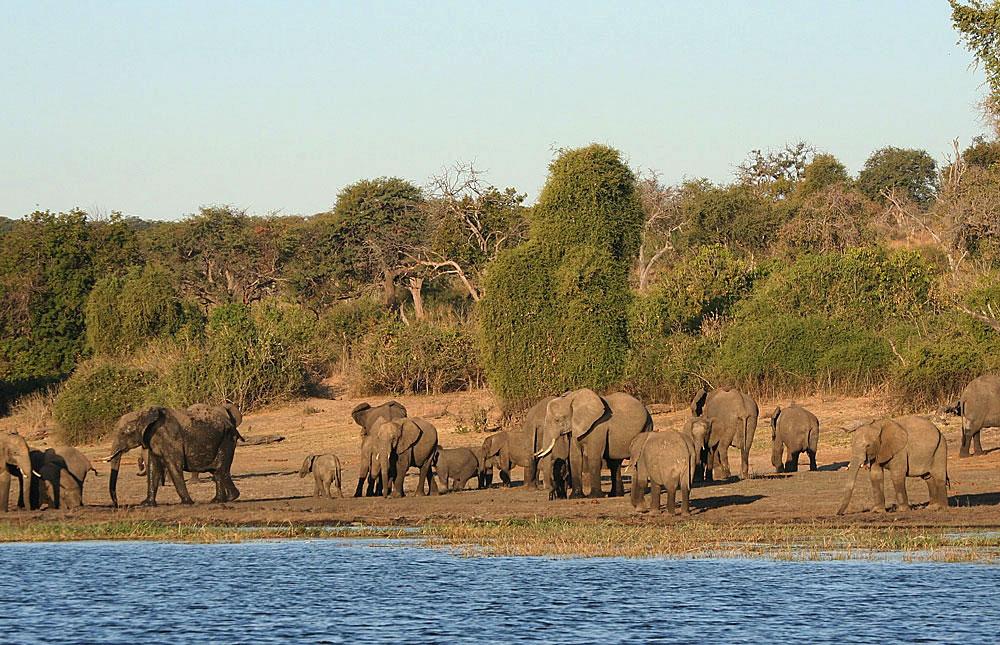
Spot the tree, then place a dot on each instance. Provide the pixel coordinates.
(982, 153)
(775, 174)
(832, 219)
(662, 208)
(554, 315)
(736, 216)
(824, 170)
(979, 24)
(911, 173)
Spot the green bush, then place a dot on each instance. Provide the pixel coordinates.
(419, 358)
(95, 396)
(667, 369)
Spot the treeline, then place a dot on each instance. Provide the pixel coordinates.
(794, 277)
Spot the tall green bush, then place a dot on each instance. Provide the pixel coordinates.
(96, 395)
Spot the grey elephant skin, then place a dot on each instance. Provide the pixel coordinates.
(734, 421)
(327, 474)
(61, 473)
(507, 449)
(979, 407)
(794, 430)
(368, 417)
(199, 439)
(16, 463)
(908, 446)
(392, 448)
(455, 467)
(667, 460)
(583, 430)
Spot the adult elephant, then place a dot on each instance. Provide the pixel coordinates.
(409, 443)
(198, 439)
(62, 472)
(979, 407)
(17, 462)
(908, 446)
(510, 448)
(734, 421)
(369, 417)
(583, 430)
(793, 430)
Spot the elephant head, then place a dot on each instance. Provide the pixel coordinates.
(307, 465)
(570, 415)
(698, 402)
(17, 461)
(874, 443)
(368, 417)
(133, 430)
(700, 429)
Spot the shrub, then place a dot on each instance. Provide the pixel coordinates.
(95, 396)
(912, 173)
(667, 369)
(832, 219)
(422, 357)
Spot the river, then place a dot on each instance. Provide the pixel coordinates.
(342, 591)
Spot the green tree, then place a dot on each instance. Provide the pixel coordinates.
(910, 173)
(555, 311)
(979, 24)
(736, 216)
(823, 171)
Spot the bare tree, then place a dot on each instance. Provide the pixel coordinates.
(664, 217)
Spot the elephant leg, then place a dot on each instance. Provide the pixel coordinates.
(592, 466)
(722, 457)
(617, 485)
(530, 474)
(793, 462)
(685, 500)
(812, 459)
(963, 451)
(4, 489)
(177, 477)
(671, 496)
(878, 490)
(576, 469)
(977, 443)
(654, 496)
(375, 485)
(154, 476)
(317, 485)
(396, 487)
(361, 485)
(898, 476)
(220, 487)
(233, 492)
(934, 492)
(426, 473)
(638, 486)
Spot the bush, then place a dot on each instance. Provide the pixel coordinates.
(422, 357)
(95, 396)
(667, 369)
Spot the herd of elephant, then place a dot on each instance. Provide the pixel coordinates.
(563, 443)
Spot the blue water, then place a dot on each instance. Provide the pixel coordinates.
(337, 591)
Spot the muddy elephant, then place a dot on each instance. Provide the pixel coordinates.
(16, 462)
(368, 417)
(979, 407)
(399, 445)
(667, 460)
(793, 430)
(511, 448)
(908, 446)
(327, 474)
(62, 472)
(200, 439)
(734, 422)
(455, 467)
(583, 430)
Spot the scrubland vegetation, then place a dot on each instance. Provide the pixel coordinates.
(794, 277)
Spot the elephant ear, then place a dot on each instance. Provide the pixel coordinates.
(494, 446)
(147, 421)
(234, 414)
(359, 413)
(587, 409)
(409, 434)
(774, 417)
(892, 439)
(698, 402)
(396, 410)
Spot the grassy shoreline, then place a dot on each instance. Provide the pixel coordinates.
(569, 538)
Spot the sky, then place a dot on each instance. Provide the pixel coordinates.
(154, 109)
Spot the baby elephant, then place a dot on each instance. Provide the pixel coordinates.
(457, 466)
(326, 472)
(795, 430)
(667, 460)
(61, 472)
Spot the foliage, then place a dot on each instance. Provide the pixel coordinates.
(822, 172)
(735, 216)
(775, 174)
(911, 173)
(667, 368)
(982, 153)
(95, 396)
(833, 218)
(978, 21)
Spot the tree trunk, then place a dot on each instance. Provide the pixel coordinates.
(415, 285)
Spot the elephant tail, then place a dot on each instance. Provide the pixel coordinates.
(96, 474)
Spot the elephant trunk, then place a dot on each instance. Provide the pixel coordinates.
(745, 450)
(24, 465)
(115, 461)
(852, 477)
(777, 449)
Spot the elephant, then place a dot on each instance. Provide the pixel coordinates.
(62, 472)
(583, 430)
(495, 453)
(16, 462)
(908, 446)
(979, 407)
(510, 448)
(455, 467)
(395, 446)
(326, 472)
(734, 422)
(796, 430)
(368, 418)
(200, 438)
(667, 460)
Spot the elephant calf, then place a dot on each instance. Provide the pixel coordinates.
(667, 460)
(795, 430)
(326, 472)
(495, 453)
(61, 472)
(455, 467)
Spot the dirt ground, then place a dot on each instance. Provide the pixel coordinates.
(273, 492)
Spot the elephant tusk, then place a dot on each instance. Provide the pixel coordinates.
(109, 459)
(542, 453)
(35, 473)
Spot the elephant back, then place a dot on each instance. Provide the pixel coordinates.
(420, 435)
(628, 418)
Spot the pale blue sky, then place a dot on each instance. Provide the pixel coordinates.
(156, 108)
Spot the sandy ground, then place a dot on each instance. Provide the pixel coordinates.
(273, 492)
